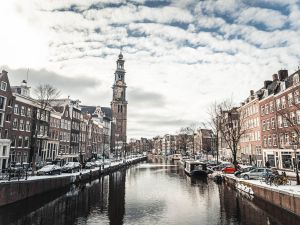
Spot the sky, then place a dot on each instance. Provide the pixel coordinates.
(181, 55)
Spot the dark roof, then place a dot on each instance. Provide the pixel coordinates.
(91, 109)
(107, 111)
(88, 109)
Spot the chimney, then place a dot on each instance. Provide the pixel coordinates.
(282, 74)
(275, 77)
(267, 83)
(251, 92)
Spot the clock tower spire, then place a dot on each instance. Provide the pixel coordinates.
(119, 106)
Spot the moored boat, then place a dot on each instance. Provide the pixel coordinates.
(196, 168)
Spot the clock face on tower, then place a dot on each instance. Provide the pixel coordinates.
(119, 91)
(119, 82)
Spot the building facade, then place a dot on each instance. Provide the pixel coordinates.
(250, 142)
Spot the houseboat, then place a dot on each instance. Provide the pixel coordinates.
(196, 168)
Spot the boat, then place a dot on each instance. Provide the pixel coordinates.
(196, 168)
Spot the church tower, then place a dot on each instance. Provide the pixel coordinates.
(119, 106)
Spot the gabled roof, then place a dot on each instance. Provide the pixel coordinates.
(91, 110)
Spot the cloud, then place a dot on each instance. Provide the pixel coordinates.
(271, 19)
(142, 98)
(180, 55)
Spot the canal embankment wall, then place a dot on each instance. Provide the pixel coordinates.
(14, 191)
(280, 198)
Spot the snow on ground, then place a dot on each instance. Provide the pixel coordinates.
(71, 175)
(290, 189)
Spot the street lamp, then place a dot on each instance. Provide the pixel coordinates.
(294, 147)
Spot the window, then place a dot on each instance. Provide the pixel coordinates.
(281, 139)
(267, 109)
(283, 102)
(265, 141)
(298, 116)
(16, 109)
(3, 86)
(6, 133)
(297, 96)
(29, 112)
(286, 138)
(15, 123)
(293, 118)
(271, 107)
(26, 142)
(4, 150)
(13, 142)
(274, 140)
(20, 142)
(264, 125)
(285, 124)
(268, 124)
(273, 123)
(21, 125)
(279, 119)
(278, 104)
(270, 140)
(1, 118)
(290, 99)
(262, 110)
(27, 126)
(2, 103)
(8, 117)
(10, 102)
(23, 110)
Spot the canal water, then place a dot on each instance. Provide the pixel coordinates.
(154, 192)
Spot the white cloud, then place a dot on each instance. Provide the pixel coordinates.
(188, 53)
(272, 19)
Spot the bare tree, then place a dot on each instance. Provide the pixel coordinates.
(226, 123)
(44, 94)
(289, 123)
(214, 125)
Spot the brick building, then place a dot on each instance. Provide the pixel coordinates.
(250, 142)
(6, 111)
(280, 119)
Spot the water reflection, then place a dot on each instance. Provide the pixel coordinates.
(157, 192)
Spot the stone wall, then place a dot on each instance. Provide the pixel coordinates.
(14, 191)
(282, 199)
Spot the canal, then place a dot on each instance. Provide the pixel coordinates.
(154, 192)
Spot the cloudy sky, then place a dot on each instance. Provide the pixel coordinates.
(181, 55)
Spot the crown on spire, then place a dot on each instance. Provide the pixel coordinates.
(120, 55)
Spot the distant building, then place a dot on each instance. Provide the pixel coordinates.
(203, 141)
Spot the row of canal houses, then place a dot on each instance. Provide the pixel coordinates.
(271, 123)
(65, 131)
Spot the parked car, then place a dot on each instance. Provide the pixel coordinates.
(49, 170)
(229, 169)
(256, 173)
(243, 169)
(89, 165)
(71, 167)
(107, 162)
(221, 166)
(99, 163)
